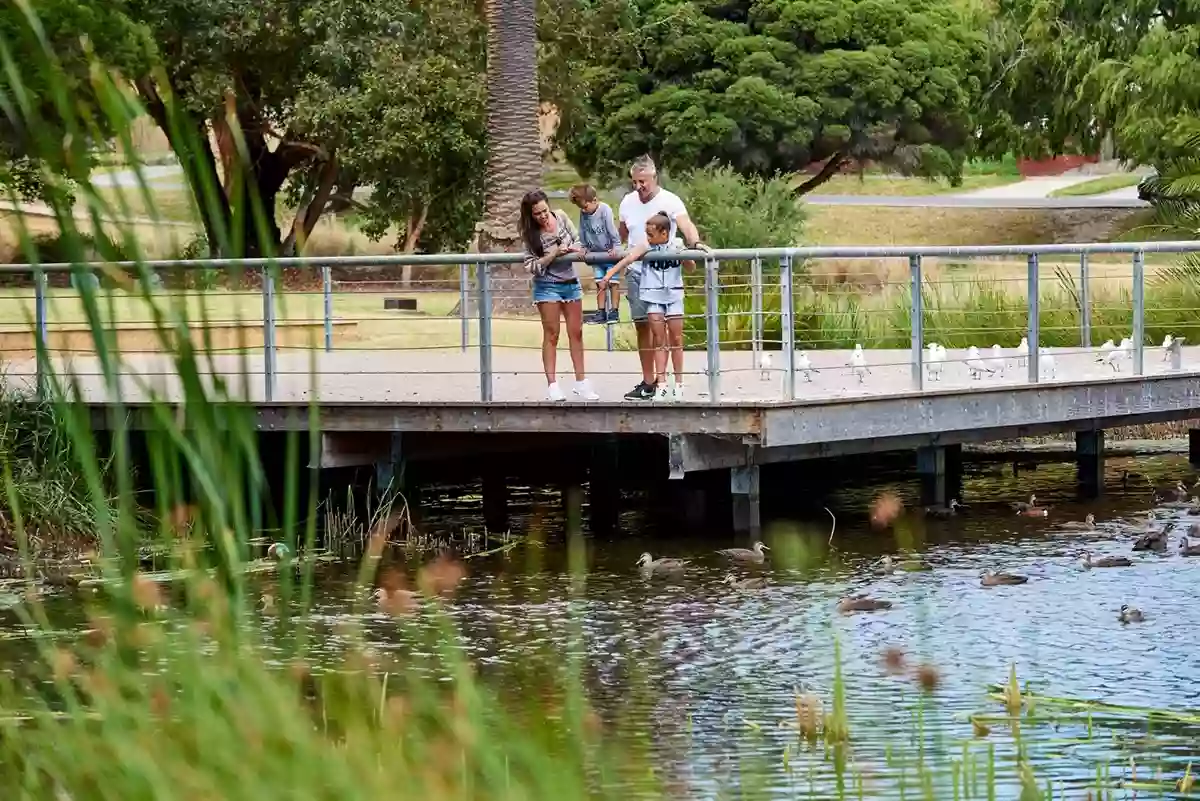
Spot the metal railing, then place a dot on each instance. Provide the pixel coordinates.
(772, 298)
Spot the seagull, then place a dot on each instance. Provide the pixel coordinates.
(1127, 347)
(1108, 347)
(1166, 346)
(858, 363)
(997, 362)
(803, 365)
(764, 365)
(1046, 362)
(1023, 352)
(1113, 359)
(936, 361)
(975, 365)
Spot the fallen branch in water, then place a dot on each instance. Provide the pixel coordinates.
(832, 528)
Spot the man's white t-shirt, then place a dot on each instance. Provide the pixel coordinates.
(634, 213)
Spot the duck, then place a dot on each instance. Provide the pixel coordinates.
(949, 510)
(861, 603)
(1033, 511)
(1105, 561)
(1152, 541)
(993, 579)
(753, 555)
(1185, 546)
(1193, 509)
(1172, 495)
(889, 563)
(279, 551)
(1130, 614)
(1022, 506)
(1088, 524)
(651, 565)
(753, 583)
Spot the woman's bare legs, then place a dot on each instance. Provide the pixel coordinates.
(573, 312)
(551, 320)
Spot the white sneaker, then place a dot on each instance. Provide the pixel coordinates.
(554, 392)
(584, 390)
(661, 393)
(677, 392)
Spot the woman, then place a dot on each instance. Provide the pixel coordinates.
(547, 235)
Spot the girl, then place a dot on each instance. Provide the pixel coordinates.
(557, 293)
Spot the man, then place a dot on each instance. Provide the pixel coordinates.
(646, 200)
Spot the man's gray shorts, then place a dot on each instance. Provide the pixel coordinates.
(633, 284)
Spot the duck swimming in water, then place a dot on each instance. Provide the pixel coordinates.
(752, 583)
(753, 555)
(861, 603)
(993, 579)
(1152, 541)
(649, 564)
(943, 511)
(1105, 561)
(1130, 614)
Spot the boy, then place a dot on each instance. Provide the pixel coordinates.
(662, 292)
(598, 232)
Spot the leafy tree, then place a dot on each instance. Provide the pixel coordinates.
(770, 86)
(735, 211)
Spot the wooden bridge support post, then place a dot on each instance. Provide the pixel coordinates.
(1089, 462)
(1194, 446)
(940, 468)
(495, 500)
(394, 475)
(604, 492)
(745, 487)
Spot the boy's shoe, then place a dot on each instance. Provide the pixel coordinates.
(584, 390)
(614, 315)
(641, 392)
(554, 392)
(677, 392)
(597, 317)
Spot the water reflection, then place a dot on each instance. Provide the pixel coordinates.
(709, 674)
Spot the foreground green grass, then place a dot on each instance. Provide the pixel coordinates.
(1098, 186)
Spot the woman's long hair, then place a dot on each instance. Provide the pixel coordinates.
(531, 234)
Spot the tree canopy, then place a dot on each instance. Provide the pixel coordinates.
(768, 86)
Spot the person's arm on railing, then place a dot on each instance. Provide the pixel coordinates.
(691, 236)
(628, 259)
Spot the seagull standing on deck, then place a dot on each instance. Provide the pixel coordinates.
(997, 362)
(1108, 347)
(975, 365)
(1166, 346)
(936, 361)
(764, 366)
(858, 363)
(803, 365)
(1023, 352)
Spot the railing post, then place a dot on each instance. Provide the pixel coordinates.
(756, 310)
(268, 295)
(918, 324)
(712, 329)
(327, 292)
(463, 279)
(483, 279)
(43, 341)
(1034, 326)
(1139, 312)
(1085, 303)
(788, 332)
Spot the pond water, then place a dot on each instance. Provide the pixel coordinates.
(710, 673)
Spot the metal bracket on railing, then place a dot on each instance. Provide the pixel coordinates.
(1139, 313)
(1035, 323)
(483, 279)
(464, 278)
(787, 328)
(1085, 303)
(42, 343)
(756, 310)
(268, 295)
(918, 324)
(712, 326)
(327, 291)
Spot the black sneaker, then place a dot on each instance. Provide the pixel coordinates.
(642, 392)
(597, 317)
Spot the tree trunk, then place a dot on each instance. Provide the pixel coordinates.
(514, 163)
(830, 169)
(412, 235)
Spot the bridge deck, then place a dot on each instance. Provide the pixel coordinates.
(438, 390)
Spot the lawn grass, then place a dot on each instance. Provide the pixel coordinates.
(898, 186)
(1098, 186)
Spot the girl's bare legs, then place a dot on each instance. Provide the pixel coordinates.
(658, 333)
(675, 341)
(573, 312)
(614, 292)
(551, 320)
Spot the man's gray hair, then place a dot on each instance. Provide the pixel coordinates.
(643, 164)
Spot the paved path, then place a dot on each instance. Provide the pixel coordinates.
(439, 376)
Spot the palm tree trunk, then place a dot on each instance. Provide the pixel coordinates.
(514, 164)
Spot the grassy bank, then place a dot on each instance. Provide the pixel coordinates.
(1098, 186)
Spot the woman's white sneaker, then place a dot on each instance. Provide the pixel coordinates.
(584, 390)
(554, 392)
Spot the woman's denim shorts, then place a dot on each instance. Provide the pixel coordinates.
(556, 291)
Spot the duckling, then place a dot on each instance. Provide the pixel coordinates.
(1152, 541)
(861, 603)
(279, 551)
(1105, 561)
(1130, 614)
(753, 555)
(649, 564)
(888, 563)
(993, 579)
(1021, 506)
(753, 583)
(943, 511)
